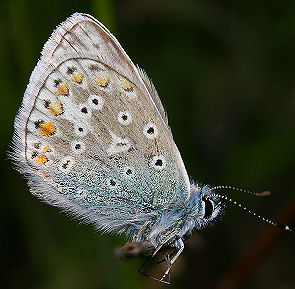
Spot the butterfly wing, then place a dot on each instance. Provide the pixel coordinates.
(92, 136)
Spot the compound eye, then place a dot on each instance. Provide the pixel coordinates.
(208, 207)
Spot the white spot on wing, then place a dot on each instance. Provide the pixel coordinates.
(150, 130)
(118, 145)
(128, 172)
(158, 162)
(80, 130)
(66, 164)
(95, 101)
(77, 147)
(84, 110)
(124, 117)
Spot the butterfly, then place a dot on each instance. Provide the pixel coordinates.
(92, 138)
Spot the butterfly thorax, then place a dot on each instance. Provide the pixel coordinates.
(200, 210)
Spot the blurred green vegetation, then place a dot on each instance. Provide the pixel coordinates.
(225, 71)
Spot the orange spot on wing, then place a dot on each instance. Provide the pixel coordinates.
(46, 149)
(41, 159)
(126, 85)
(102, 80)
(46, 128)
(78, 77)
(62, 89)
(56, 108)
(44, 175)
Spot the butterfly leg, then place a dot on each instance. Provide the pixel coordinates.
(169, 265)
(144, 268)
(168, 261)
(170, 256)
(165, 241)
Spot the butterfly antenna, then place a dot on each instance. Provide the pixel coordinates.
(275, 224)
(261, 194)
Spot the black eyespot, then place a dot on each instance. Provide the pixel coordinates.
(34, 154)
(37, 145)
(115, 158)
(66, 164)
(158, 162)
(121, 143)
(150, 130)
(95, 101)
(46, 103)
(57, 82)
(38, 123)
(80, 129)
(124, 117)
(129, 172)
(93, 67)
(71, 70)
(208, 208)
(77, 146)
(84, 110)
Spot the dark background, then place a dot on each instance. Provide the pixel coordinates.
(225, 71)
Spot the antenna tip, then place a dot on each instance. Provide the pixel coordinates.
(284, 227)
(264, 193)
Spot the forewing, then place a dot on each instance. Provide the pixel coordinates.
(92, 136)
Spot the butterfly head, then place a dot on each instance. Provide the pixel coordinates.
(208, 207)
